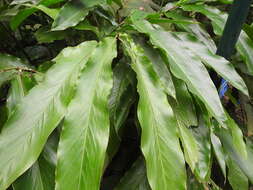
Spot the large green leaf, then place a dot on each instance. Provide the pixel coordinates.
(41, 175)
(159, 140)
(85, 131)
(219, 64)
(135, 178)
(160, 68)
(218, 18)
(26, 131)
(184, 66)
(73, 12)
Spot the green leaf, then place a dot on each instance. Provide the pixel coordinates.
(218, 63)
(44, 35)
(236, 178)
(218, 18)
(185, 66)
(191, 151)
(85, 133)
(245, 164)
(122, 95)
(184, 106)
(135, 178)
(41, 175)
(202, 136)
(20, 85)
(26, 132)
(73, 12)
(10, 66)
(159, 140)
(160, 68)
(219, 152)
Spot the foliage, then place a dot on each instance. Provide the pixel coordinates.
(123, 94)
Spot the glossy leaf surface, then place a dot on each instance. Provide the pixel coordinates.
(26, 132)
(85, 133)
(159, 140)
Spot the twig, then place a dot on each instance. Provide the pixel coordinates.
(18, 69)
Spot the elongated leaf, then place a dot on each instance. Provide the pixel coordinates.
(41, 175)
(160, 68)
(236, 178)
(73, 12)
(184, 66)
(219, 152)
(159, 140)
(218, 18)
(135, 178)
(26, 132)
(10, 66)
(219, 64)
(85, 132)
(191, 150)
(122, 95)
(245, 164)
(184, 107)
(202, 136)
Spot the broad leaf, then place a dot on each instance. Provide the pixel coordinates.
(159, 140)
(219, 64)
(26, 132)
(85, 131)
(185, 66)
(218, 18)
(73, 12)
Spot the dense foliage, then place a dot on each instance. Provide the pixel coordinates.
(124, 95)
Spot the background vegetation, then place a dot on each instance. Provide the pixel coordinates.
(124, 95)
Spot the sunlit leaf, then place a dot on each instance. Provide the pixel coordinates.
(85, 132)
(159, 140)
(26, 132)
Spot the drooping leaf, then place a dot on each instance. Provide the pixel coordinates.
(218, 18)
(26, 132)
(219, 152)
(202, 136)
(73, 12)
(135, 178)
(191, 150)
(236, 178)
(185, 66)
(44, 35)
(184, 106)
(41, 175)
(122, 94)
(160, 68)
(219, 64)
(159, 140)
(85, 133)
(245, 164)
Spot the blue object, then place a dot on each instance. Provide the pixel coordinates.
(223, 88)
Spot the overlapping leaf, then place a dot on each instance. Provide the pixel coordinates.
(184, 66)
(159, 140)
(85, 131)
(25, 133)
(73, 12)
